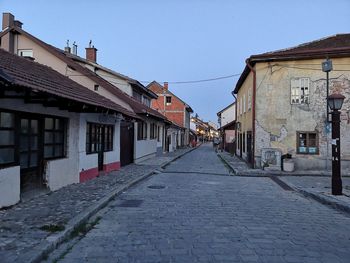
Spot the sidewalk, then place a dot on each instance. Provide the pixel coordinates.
(31, 229)
(314, 184)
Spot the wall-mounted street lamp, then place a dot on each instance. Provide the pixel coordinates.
(327, 66)
(335, 102)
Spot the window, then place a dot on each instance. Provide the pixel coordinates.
(146, 101)
(7, 138)
(99, 137)
(108, 140)
(137, 95)
(25, 53)
(168, 100)
(158, 133)
(244, 100)
(153, 131)
(300, 88)
(241, 106)
(54, 141)
(249, 99)
(307, 142)
(243, 142)
(141, 130)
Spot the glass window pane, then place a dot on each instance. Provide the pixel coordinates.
(48, 151)
(7, 155)
(58, 151)
(302, 149)
(48, 123)
(24, 126)
(48, 137)
(23, 160)
(58, 137)
(33, 159)
(34, 126)
(58, 124)
(6, 120)
(24, 143)
(34, 143)
(7, 138)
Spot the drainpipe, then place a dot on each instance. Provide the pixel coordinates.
(253, 110)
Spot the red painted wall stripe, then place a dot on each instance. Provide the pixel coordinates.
(88, 175)
(111, 167)
(93, 172)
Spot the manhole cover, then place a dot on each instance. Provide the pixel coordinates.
(130, 203)
(156, 186)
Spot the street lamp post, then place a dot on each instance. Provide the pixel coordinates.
(327, 66)
(335, 102)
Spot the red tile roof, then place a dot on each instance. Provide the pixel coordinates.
(29, 74)
(329, 47)
(137, 107)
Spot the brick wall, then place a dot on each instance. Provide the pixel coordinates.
(174, 111)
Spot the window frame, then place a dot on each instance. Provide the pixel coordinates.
(141, 130)
(93, 138)
(307, 150)
(168, 100)
(19, 52)
(12, 146)
(63, 133)
(153, 131)
(298, 93)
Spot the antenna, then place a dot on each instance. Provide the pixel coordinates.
(90, 43)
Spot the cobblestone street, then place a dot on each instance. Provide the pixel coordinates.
(194, 211)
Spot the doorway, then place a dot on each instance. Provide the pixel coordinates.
(30, 152)
(126, 143)
(249, 147)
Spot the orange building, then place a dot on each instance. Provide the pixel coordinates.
(173, 108)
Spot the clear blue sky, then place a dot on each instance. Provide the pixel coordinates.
(182, 40)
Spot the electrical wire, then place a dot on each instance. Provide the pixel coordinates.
(197, 81)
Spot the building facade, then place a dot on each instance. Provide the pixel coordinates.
(227, 123)
(281, 105)
(50, 136)
(140, 139)
(176, 110)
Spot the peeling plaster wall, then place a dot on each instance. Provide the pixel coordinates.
(244, 117)
(277, 120)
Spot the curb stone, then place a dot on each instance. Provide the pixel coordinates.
(40, 252)
(319, 197)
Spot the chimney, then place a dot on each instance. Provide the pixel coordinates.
(18, 23)
(91, 53)
(166, 85)
(75, 49)
(67, 47)
(8, 20)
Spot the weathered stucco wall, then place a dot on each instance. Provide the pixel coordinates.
(228, 115)
(9, 186)
(277, 120)
(244, 114)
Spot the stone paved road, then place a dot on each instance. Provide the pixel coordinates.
(214, 218)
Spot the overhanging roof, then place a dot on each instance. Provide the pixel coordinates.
(336, 46)
(22, 72)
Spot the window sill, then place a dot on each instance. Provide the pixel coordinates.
(8, 165)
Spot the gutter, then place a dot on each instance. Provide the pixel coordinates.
(253, 110)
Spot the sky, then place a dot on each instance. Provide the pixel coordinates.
(182, 40)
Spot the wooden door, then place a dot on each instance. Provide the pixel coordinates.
(126, 143)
